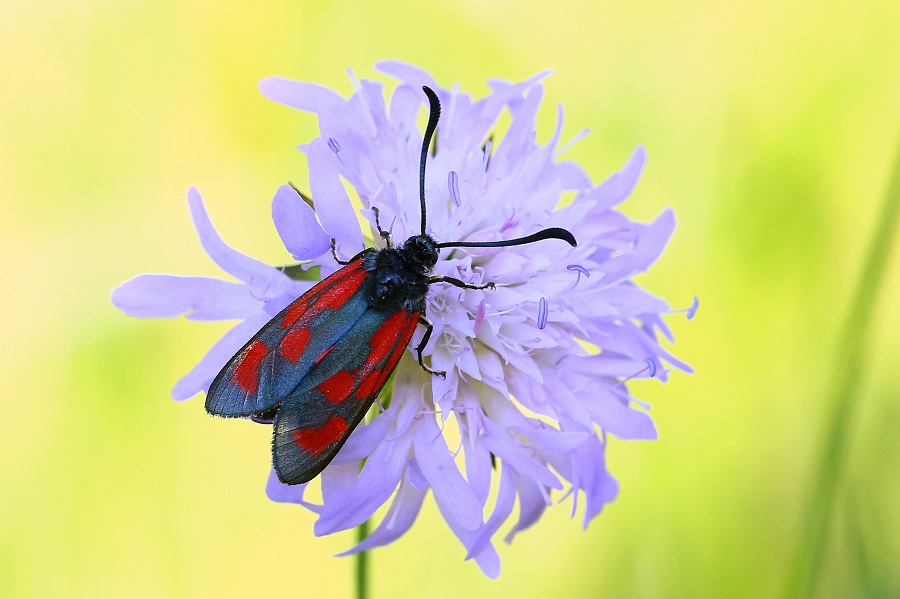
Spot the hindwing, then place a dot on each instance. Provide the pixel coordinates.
(317, 417)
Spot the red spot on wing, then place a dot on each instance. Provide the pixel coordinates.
(246, 373)
(398, 326)
(347, 279)
(316, 440)
(294, 342)
(296, 310)
(371, 384)
(344, 286)
(388, 344)
(337, 388)
(384, 339)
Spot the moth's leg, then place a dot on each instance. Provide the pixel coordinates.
(334, 253)
(458, 283)
(429, 328)
(384, 234)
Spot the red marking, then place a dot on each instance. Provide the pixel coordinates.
(386, 336)
(383, 358)
(315, 440)
(295, 311)
(353, 274)
(246, 373)
(337, 388)
(370, 384)
(385, 340)
(294, 342)
(338, 294)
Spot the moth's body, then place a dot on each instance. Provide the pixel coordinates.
(399, 277)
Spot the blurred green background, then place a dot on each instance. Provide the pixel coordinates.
(772, 130)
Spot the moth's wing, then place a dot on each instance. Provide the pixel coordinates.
(315, 420)
(275, 360)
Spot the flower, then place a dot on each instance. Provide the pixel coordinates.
(534, 407)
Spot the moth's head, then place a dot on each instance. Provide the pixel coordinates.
(419, 253)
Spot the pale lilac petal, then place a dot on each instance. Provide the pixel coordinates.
(407, 73)
(516, 455)
(337, 480)
(616, 417)
(451, 491)
(374, 485)
(281, 493)
(590, 474)
(532, 504)
(302, 96)
(332, 203)
(248, 270)
(487, 559)
(654, 240)
(297, 226)
(620, 185)
(478, 468)
(399, 518)
(197, 298)
(506, 497)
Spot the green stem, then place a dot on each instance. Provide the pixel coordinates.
(362, 563)
(843, 403)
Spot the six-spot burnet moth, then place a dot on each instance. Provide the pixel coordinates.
(315, 368)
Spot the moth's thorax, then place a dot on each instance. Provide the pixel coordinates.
(398, 277)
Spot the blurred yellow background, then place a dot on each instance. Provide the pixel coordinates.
(771, 129)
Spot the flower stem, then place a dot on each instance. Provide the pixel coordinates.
(843, 403)
(362, 563)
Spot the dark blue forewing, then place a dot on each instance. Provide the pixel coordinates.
(271, 365)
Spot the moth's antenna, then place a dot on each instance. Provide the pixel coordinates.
(433, 117)
(551, 233)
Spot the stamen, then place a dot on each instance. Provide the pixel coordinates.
(580, 270)
(479, 315)
(453, 184)
(542, 313)
(693, 309)
(334, 145)
(487, 153)
(651, 366)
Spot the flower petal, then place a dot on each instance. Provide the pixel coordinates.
(253, 272)
(620, 185)
(297, 226)
(451, 491)
(198, 298)
(399, 518)
(281, 493)
(332, 203)
(302, 96)
(532, 504)
(506, 497)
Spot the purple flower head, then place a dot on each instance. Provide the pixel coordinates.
(532, 407)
